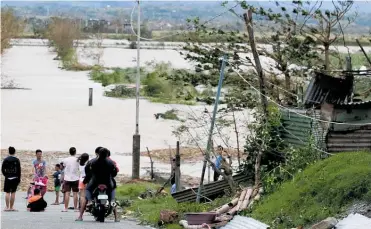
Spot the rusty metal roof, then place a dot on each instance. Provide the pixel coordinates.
(325, 88)
(240, 222)
(209, 190)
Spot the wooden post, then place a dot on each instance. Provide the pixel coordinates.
(171, 158)
(177, 167)
(300, 97)
(350, 76)
(249, 25)
(90, 96)
(258, 66)
(150, 158)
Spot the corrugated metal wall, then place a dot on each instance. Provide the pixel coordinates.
(296, 129)
(349, 141)
(210, 189)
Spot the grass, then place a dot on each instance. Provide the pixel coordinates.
(358, 60)
(325, 189)
(170, 101)
(121, 91)
(148, 210)
(363, 88)
(115, 76)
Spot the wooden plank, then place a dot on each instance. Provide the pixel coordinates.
(246, 200)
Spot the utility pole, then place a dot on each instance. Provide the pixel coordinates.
(249, 25)
(177, 167)
(350, 77)
(136, 136)
(259, 69)
(209, 141)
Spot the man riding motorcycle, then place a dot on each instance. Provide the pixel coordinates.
(98, 171)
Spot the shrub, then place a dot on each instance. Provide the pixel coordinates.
(156, 86)
(133, 45)
(121, 91)
(148, 210)
(115, 76)
(170, 114)
(324, 189)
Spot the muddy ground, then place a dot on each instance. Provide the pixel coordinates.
(52, 158)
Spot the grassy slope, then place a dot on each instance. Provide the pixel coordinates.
(148, 210)
(324, 189)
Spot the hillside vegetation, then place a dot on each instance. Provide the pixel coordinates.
(324, 189)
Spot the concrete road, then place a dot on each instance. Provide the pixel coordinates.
(53, 218)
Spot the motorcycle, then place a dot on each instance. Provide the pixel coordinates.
(101, 204)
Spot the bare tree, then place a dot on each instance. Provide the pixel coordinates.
(11, 27)
(95, 49)
(325, 26)
(62, 33)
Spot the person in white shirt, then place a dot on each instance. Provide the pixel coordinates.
(71, 179)
(83, 160)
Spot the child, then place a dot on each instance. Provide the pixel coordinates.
(57, 183)
(218, 162)
(36, 203)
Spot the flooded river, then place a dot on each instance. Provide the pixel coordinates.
(54, 114)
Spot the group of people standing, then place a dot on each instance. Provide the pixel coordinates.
(78, 175)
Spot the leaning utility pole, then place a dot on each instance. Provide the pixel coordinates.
(249, 25)
(136, 136)
(209, 141)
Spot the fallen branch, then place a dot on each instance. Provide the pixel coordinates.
(225, 208)
(150, 158)
(163, 186)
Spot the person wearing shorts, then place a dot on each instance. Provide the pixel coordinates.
(100, 171)
(57, 183)
(11, 169)
(71, 179)
(83, 160)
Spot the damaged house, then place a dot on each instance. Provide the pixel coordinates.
(346, 123)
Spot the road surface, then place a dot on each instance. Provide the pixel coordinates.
(53, 218)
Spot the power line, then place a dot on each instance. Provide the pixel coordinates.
(290, 110)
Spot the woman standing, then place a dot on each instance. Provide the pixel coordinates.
(83, 159)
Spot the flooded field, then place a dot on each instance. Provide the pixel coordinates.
(54, 114)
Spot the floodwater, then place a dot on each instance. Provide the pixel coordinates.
(54, 114)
